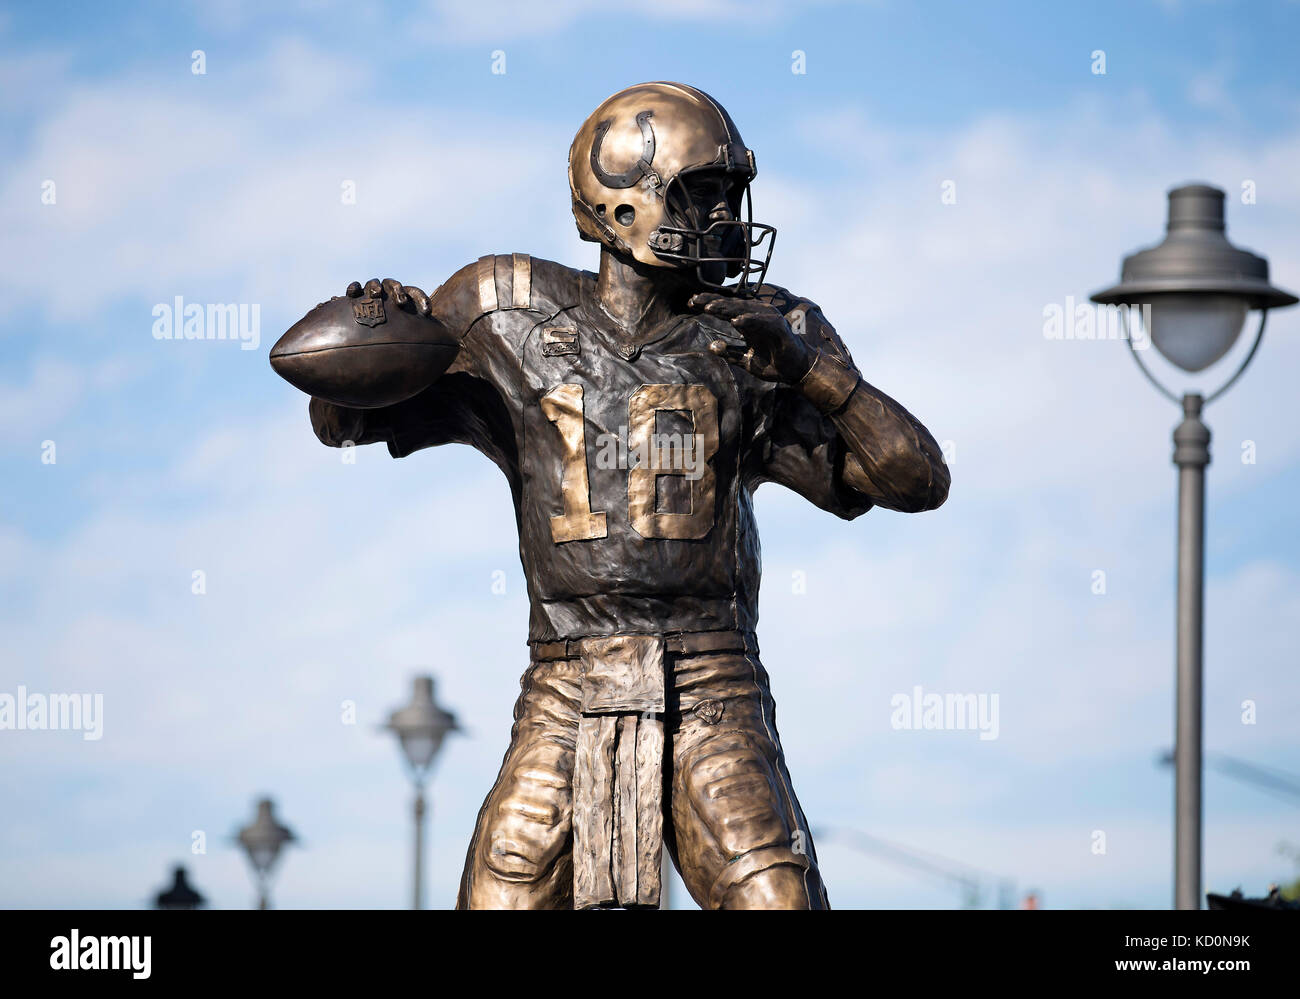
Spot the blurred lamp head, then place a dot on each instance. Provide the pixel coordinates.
(263, 838)
(421, 726)
(181, 894)
(1198, 285)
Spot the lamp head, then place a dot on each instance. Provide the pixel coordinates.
(264, 837)
(1198, 285)
(421, 726)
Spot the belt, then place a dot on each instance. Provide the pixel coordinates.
(679, 643)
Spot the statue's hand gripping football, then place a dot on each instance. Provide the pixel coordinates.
(374, 346)
(401, 294)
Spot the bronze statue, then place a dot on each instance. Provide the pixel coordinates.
(633, 412)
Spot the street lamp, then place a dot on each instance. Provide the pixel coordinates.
(181, 894)
(420, 727)
(1198, 287)
(262, 840)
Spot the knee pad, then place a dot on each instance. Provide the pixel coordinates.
(737, 794)
(529, 823)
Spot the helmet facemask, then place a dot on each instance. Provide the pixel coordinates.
(717, 249)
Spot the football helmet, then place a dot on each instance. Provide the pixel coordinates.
(633, 167)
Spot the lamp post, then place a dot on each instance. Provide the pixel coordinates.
(262, 840)
(1198, 288)
(180, 895)
(420, 728)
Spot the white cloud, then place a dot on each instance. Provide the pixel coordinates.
(167, 191)
(1208, 90)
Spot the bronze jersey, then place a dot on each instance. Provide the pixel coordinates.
(631, 464)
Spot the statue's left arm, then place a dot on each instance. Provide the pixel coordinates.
(890, 457)
(887, 455)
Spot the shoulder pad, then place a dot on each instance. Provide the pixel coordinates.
(500, 282)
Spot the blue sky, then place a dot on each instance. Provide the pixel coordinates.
(329, 583)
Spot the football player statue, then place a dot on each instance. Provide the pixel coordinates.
(634, 411)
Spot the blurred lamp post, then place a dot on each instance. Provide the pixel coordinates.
(181, 894)
(420, 727)
(262, 840)
(1198, 287)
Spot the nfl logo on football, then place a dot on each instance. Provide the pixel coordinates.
(369, 311)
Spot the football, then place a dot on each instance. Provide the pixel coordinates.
(364, 352)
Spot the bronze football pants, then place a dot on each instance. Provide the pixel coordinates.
(734, 828)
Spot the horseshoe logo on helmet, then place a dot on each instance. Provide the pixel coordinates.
(641, 168)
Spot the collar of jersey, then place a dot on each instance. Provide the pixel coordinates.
(605, 328)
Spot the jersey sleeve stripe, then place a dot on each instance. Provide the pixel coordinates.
(487, 283)
(521, 281)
